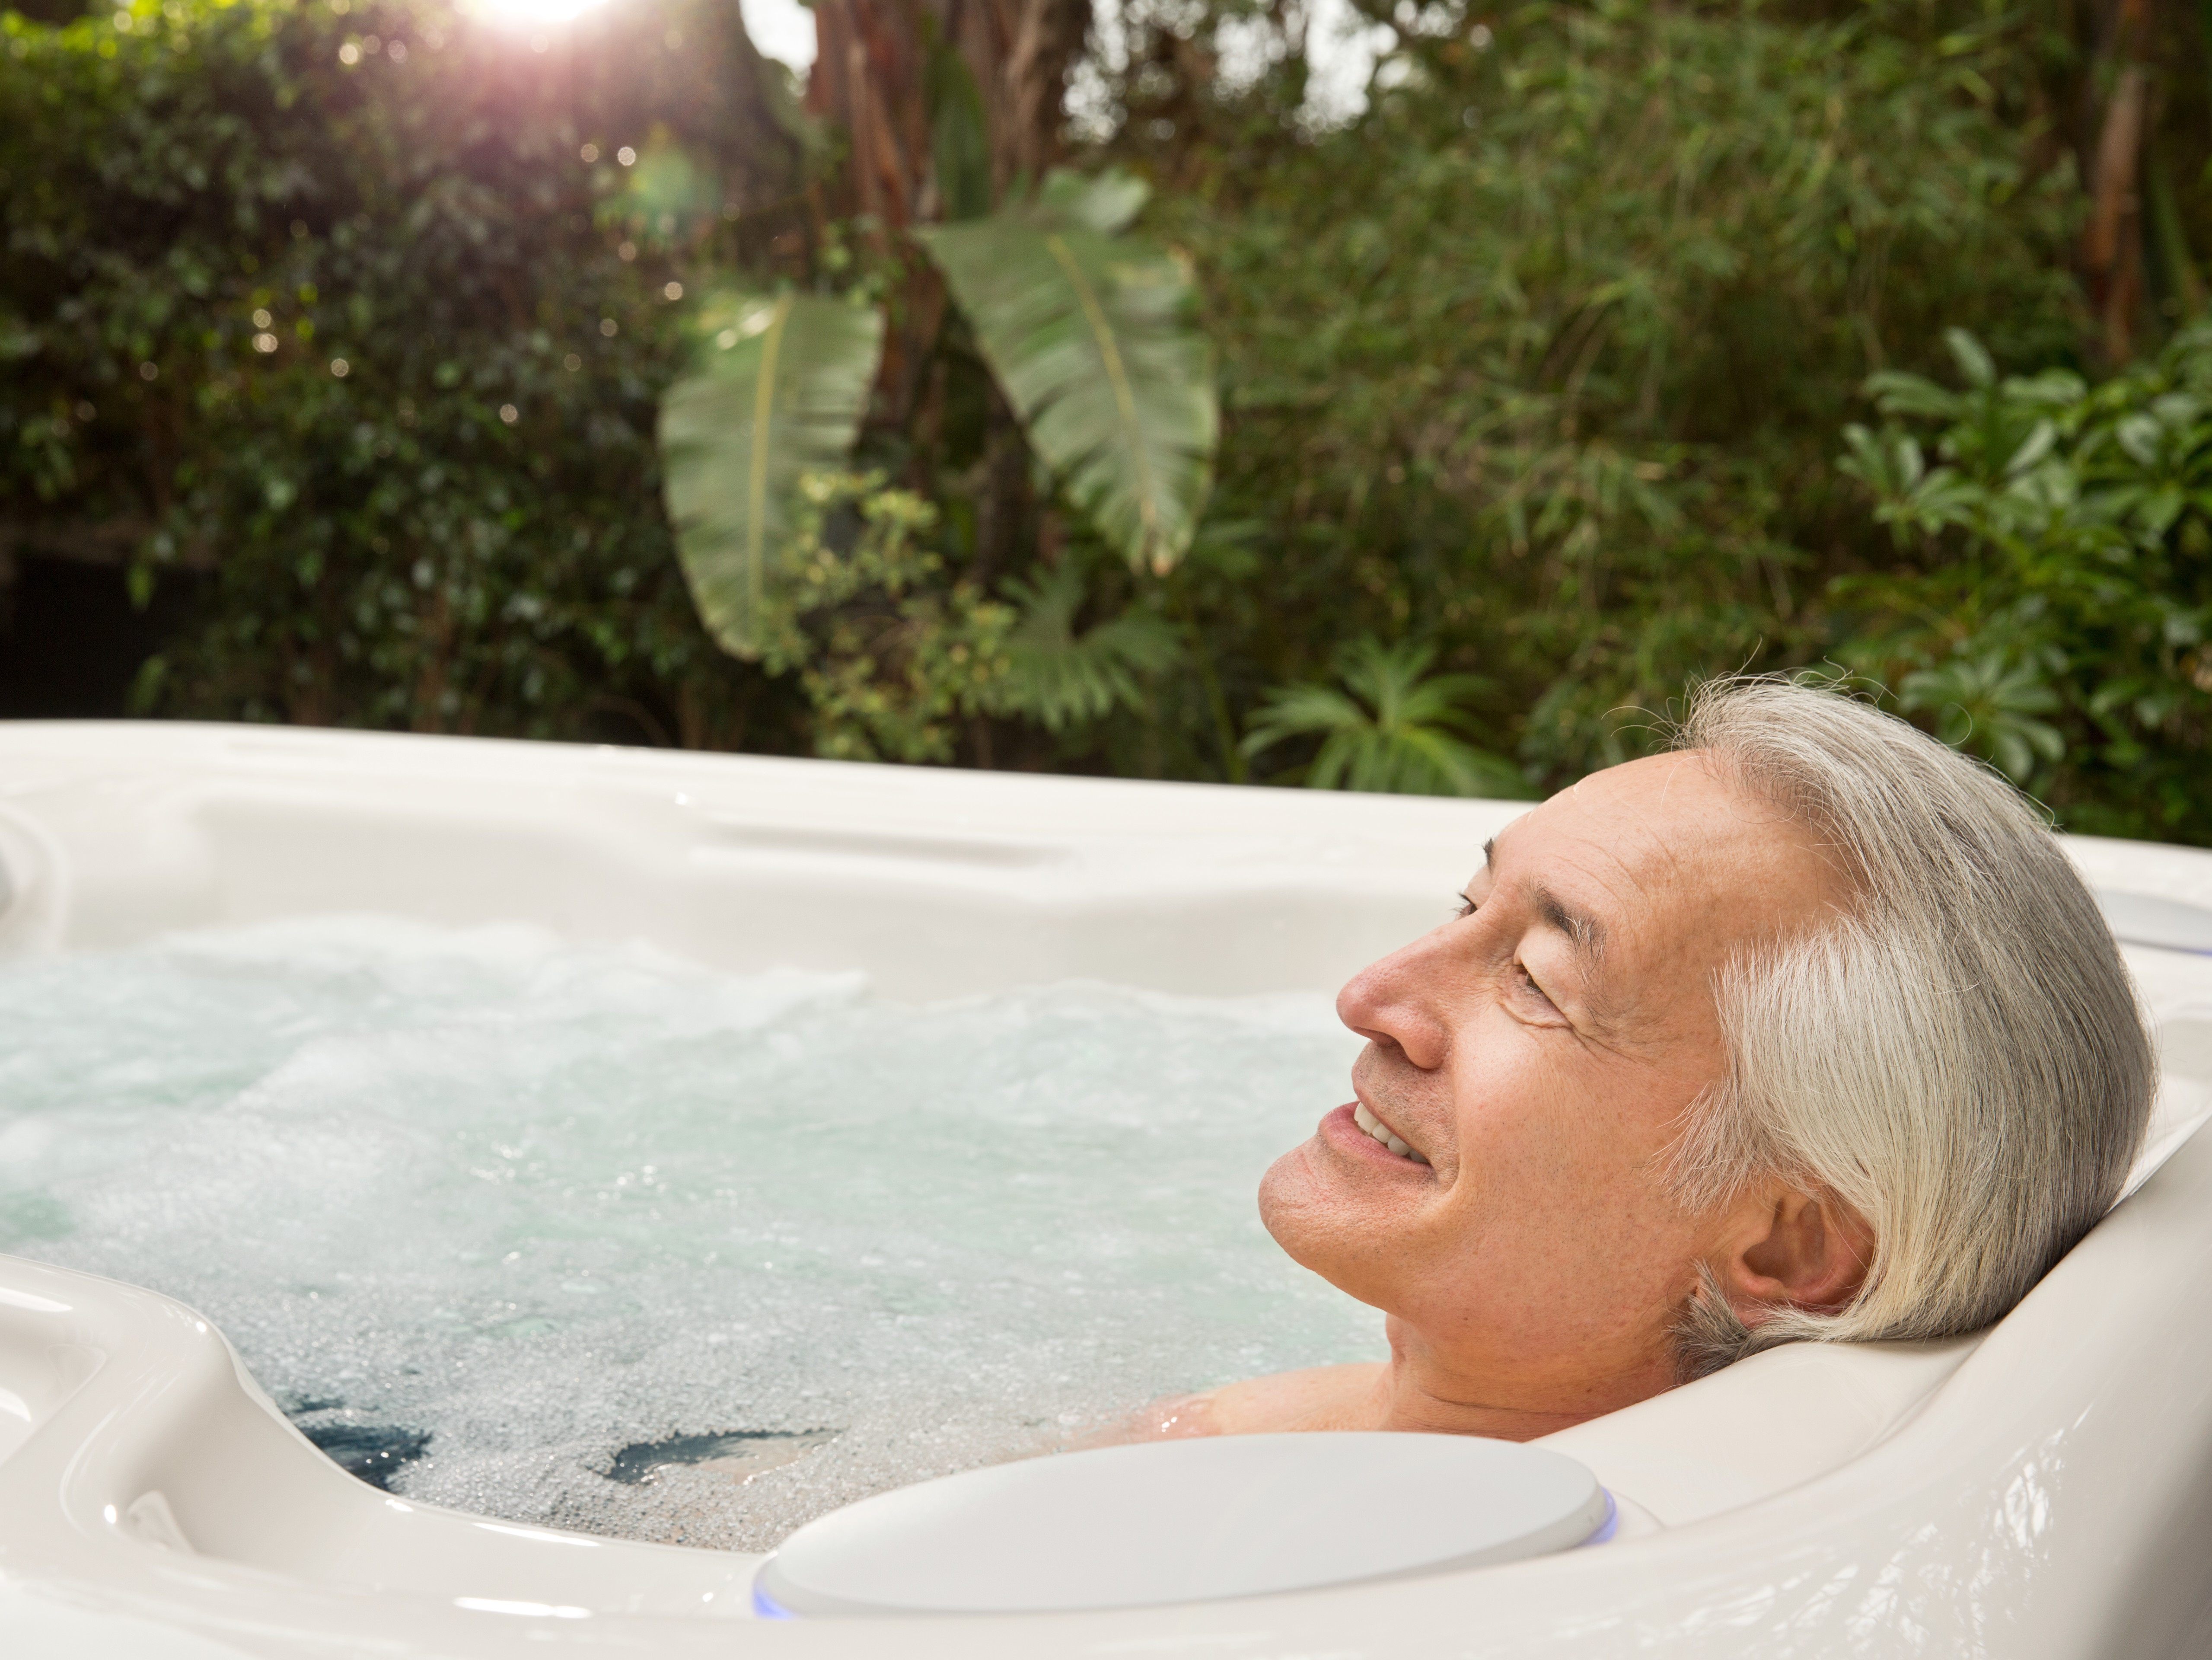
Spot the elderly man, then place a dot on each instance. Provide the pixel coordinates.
(1806, 1029)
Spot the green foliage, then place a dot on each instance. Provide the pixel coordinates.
(960, 135)
(1064, 679)
(210, 211)
(892, 659)
(1391, 726)
(1543, 359)
(779, 391)
(1087, 330)
(1537, 368)
(1991, 704)
(2054, 612)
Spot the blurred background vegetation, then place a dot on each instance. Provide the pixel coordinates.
(1610, 344)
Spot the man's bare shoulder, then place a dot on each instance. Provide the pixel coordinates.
(1348, 1397)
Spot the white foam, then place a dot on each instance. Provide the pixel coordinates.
(545, 1201)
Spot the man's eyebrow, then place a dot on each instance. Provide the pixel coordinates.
(1584, 931)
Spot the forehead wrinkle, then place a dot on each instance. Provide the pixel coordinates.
(1582, 928)
(1583, 931)
(1669, 857)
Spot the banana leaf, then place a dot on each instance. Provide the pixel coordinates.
(777, 390)
(1090, 332)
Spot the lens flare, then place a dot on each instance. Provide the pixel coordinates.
(534, 15)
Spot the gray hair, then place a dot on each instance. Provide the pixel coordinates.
(1960, 1059)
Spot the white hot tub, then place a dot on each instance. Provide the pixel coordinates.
(2044, 1489)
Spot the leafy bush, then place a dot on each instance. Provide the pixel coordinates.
(332, 303)
(1392, 728)
(1531, 381)
(1543, 361)
(894, 654)
(2055, 616)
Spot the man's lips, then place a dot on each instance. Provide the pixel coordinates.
(1343, 1130)
(1369, 1121)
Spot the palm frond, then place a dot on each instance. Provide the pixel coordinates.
(1394, 727)
(1061, 678)
(777, 391)
(1089, 331)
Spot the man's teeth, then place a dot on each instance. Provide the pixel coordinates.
(1381, 1131)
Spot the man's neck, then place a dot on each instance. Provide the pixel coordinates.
(1421, 1387)
(1400, 1398)
(1409, 1392)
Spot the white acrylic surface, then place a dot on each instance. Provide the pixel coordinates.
(2043, 1490)
(1187, 1521)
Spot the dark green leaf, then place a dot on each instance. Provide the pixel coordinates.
(778, 392)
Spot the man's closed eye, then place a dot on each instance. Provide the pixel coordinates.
(1538, 999)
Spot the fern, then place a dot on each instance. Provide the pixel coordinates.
(1061, 678)
(1391, 727)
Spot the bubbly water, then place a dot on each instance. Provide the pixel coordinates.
(598, 1238)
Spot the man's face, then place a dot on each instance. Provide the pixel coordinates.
(1539, 1052)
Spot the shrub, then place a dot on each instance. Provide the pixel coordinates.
(2054, 612)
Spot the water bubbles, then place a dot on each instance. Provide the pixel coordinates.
(590, 153)
(350, 54)
(279, 1125)
(609, 327)
(261, 318)
(508, 413)
(265, 342)
(571, 363)
(340, 368)
(397, 51)
(672, 291)
(627, 156)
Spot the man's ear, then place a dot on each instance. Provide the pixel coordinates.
(1788, 1248)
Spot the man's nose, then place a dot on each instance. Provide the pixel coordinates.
(1393, 1003)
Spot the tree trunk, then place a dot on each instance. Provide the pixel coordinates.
(872, 77)
(2120, 93)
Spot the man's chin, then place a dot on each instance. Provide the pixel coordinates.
(1291, 1192)
(1299, 1208)
(1331, 1222)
